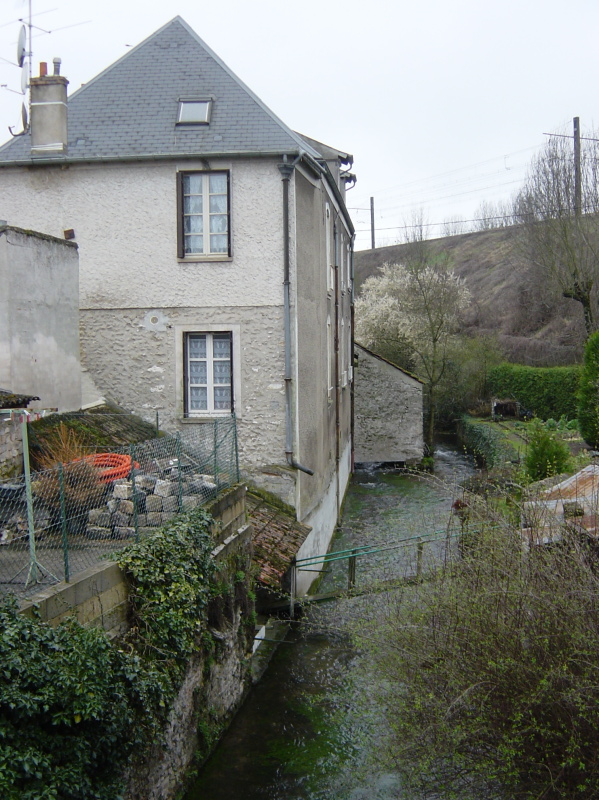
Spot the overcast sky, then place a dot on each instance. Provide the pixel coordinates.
(442, 103)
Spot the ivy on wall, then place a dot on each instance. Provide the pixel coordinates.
(73, 706)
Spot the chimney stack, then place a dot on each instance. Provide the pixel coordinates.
(49, 111)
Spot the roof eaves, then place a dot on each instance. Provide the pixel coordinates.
(58, 160)
(386, 361)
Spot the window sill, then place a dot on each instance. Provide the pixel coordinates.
(204, 418)
(197, 259)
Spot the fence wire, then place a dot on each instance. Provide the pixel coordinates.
(67, 518)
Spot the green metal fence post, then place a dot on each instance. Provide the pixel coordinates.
(215, 445)
(179, 476)
(235, 445)
(33, 564)
(134, 493)
(63, 523)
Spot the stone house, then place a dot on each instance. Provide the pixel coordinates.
(388, 411)
(215, 257)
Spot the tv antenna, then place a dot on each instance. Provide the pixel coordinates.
(24, 60)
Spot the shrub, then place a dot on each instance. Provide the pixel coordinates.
(547, 454)
(549, 392)
(490, 675)
(588, 393)
(485, 442)
(74, 708)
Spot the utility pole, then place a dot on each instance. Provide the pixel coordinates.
(577, 169)
(372, 222)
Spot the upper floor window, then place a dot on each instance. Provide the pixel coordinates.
(194, 112)
(203, 225)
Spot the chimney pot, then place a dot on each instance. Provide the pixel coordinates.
(57, 62)
(43, 69)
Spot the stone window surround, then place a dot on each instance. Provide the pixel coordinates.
(180, 333)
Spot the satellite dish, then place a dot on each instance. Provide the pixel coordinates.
(24, 116)
(21, 49)
(23, 81)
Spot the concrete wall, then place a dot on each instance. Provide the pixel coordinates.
(388, 412)
(39, 334)
(323, 392)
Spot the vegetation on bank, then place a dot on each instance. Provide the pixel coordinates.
(490, 673)
(547, 392)
(75, 707)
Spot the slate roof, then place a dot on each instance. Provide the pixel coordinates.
(129, 110)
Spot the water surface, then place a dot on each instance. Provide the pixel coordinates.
(312, 729)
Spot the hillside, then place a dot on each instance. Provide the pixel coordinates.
(532, 324)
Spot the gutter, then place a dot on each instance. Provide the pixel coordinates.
(286, 170)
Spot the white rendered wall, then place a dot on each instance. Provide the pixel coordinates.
(125, 222)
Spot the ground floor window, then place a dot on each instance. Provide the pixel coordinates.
(208, 373)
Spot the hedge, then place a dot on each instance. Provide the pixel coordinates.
(549, 392)
(486, 442)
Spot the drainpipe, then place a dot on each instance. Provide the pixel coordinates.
(286, 170)
(337, 385)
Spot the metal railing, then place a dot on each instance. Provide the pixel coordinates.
(60, 521)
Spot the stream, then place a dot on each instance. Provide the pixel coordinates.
(312, 729)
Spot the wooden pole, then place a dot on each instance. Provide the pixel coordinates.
(372, 222)
(351, 571)
(577, 169)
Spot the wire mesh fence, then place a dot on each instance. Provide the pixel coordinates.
(62, 520)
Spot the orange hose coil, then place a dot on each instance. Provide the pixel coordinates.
(112, 466)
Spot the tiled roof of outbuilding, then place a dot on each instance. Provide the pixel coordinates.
(276, 540)
(129, 110)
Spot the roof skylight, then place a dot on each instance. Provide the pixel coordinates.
(194, 112)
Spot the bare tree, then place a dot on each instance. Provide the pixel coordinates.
(493, 215)
(560, 227)
(454, 226)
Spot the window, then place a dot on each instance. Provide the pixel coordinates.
(208, 374)
(194, 112)
(203, 226)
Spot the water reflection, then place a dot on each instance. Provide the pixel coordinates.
(312, 729)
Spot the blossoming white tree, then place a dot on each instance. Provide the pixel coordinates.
(414, 309)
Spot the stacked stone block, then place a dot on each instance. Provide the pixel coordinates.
(146, 501)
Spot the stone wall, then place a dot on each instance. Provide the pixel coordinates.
(11, 448)
(388, 412)
(209, 693)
